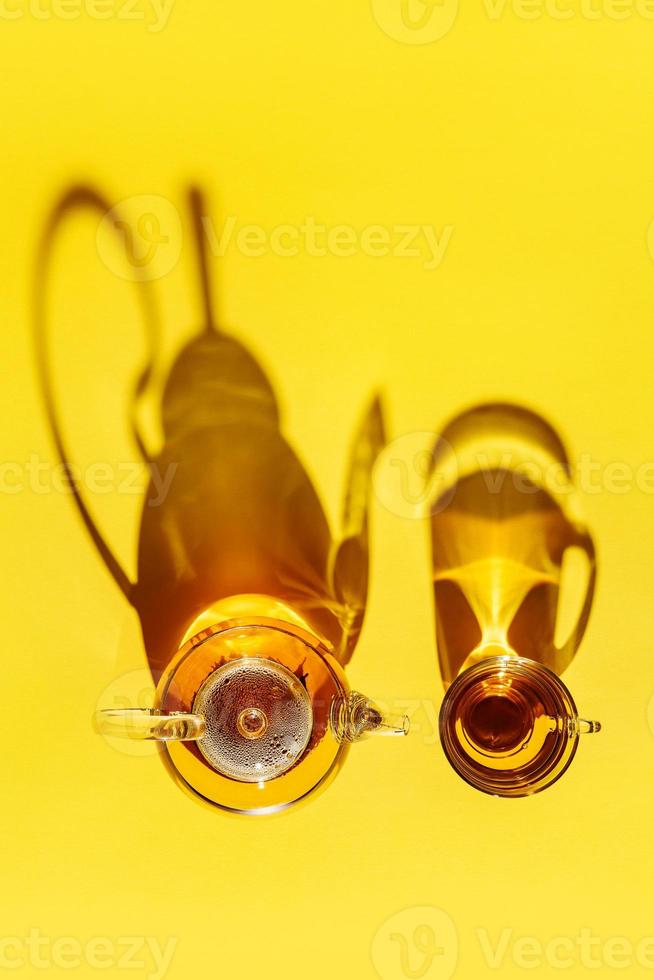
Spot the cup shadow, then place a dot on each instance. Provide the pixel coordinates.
(513, 567)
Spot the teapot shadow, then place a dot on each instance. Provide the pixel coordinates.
(241, 520)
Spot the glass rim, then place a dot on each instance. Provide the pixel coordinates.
(548, 766)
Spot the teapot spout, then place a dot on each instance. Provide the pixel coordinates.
(356, 717)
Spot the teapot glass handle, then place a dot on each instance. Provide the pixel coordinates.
(149, 723)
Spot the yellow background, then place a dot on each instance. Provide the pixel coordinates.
(533, 139)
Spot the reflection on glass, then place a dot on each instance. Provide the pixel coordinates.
(237, 566)
(513, 577)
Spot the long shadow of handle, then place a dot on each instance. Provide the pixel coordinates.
(81, 198)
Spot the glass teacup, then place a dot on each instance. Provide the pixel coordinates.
(510, 727)
(513, 576)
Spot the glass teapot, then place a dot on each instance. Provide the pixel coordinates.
(249, 606)
(254, 711)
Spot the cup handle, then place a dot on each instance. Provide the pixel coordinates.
(587, 727)
(149, 723)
